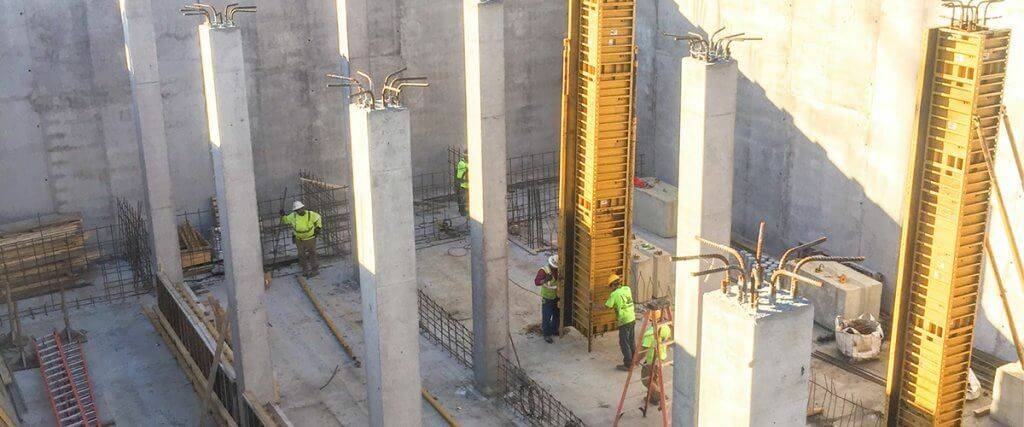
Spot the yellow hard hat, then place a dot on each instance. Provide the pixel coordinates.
(613, 279)
(656, 314)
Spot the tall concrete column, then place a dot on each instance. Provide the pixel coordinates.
(227, 110)
(382, 169)
(707, 120)
(488, 216)
(148, 109)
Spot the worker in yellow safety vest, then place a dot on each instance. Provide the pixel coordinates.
(648, 374)
(306, 226)
(462, 183)
(621, 300)
(548, 279)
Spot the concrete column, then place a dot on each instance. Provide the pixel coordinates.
(707, 120)
(382, 168)
(148, 109)
(759, 363)
(488, 216)
(231, 144)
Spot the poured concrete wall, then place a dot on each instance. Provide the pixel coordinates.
(66, 135)
(827, 105)
(826, 114)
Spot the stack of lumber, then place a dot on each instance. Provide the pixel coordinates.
(42, 255)
(196, 252)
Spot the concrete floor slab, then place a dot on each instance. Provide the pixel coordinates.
(135, 378)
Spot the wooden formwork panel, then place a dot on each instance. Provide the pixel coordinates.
(941, 257)
(598, 152)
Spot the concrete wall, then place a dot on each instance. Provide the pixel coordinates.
(66, 138)
(826, 113)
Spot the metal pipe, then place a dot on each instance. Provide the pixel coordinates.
(1007, 221)
(1006, 303)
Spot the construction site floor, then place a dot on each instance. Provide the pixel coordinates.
(587, 383)
(135, 379)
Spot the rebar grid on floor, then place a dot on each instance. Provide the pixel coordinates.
(826, 406)
(523, 395)
(113, 259)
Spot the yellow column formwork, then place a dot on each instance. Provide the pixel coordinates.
(945, 222)
(597, 158)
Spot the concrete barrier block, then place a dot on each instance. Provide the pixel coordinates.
(1008, 395)
(654, 208)
(846, 292)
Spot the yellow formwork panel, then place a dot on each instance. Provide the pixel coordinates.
(944, 228)
(597, 157)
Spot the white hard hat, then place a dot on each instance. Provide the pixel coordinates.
(553, 261)
(297, 205)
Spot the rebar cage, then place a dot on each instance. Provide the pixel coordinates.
(327, 199)
(82, 266)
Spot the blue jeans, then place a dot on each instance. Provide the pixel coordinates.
(549, 317)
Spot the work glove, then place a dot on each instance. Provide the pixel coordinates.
(282, 212)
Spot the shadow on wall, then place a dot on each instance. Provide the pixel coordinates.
(803, 187)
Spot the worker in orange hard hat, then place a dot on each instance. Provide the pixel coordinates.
(621, 300)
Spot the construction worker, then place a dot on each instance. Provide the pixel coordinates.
(306, 226)
(621, 300)
(462, 182)
(548, 280)
(648, 374)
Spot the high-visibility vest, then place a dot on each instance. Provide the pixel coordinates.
(648, 342)
(461, 173)
(304, 226)
(549, 290)
(621, 300)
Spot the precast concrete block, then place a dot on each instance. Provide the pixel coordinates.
(1008, 395)
(845, 292)
(654, 207)
(641, 275)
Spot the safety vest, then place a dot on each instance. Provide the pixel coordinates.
(461, 172)
(621, 300)
(549, 289)
(648, 342)
(304, 225)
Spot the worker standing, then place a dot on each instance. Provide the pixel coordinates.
(306, 226)
(648, 374)
(462, 182)
(548, 280)
(621, 300)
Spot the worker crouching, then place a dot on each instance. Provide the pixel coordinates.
(548, 280)
(306, 226)
(650, 374)
(621, 300)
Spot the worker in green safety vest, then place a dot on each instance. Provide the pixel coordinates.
(306, 226)
(462, 183)
(548, 279)
(621, 300)
(648, 374)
